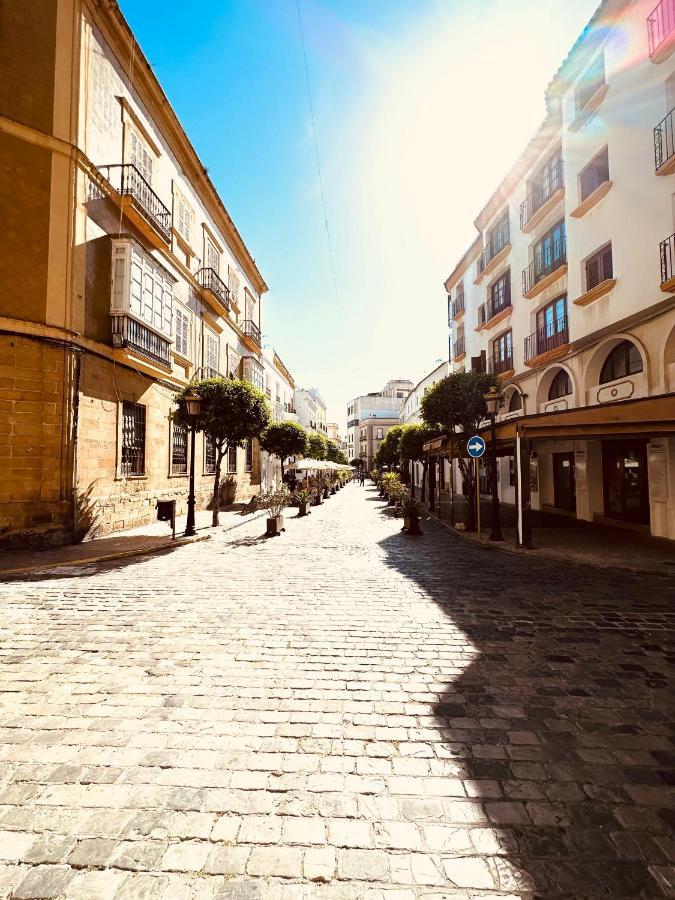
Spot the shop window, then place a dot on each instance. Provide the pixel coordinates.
(623, 360)
(561, 386)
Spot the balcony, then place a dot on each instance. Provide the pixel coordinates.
(458, 306)
(496, 249)
(667, 250)
(459, 349)
(500, 366)
(129, 334)
(664, 146)
(544, 271)
(207, 372)
(547, 343)
(139, 202)
(251, 334)
(352, 423)
(543, 197)
(661, 30)
(214, 289)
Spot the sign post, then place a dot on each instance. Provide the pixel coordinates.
(476, 448)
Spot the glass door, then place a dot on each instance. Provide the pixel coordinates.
(564, 485)
(624, 466)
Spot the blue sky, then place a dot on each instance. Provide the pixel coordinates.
(420, 105)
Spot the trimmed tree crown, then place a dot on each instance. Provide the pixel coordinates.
(413, 438)
(232, 411)
(317, 445)
(284, 439)
(456, 403)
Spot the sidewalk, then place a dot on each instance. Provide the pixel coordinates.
(568, 540)
(135, 541)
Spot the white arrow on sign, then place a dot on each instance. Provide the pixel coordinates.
(475, 446)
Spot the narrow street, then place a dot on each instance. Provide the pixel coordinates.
(339, 712)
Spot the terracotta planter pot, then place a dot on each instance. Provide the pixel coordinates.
(411, 524)
(275, 526)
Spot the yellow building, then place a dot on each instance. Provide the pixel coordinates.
(122, 277)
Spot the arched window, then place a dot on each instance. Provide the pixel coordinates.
(516, 401)
(561, 386)
(623, 360)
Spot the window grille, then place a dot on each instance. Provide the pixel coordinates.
(232, 460)
(179, 452)
(133, 438)
(209, 456)
(249, 456)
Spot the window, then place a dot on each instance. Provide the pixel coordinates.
(551, 320)
(209, 456)
(179, 456)
(549, 251)
(623, 360)
(232, 460)
(182, 335)
(500, 295)
(233, 284)
(212, 256)
(561, 386)
(502, 353)
(512, 470)
(140, 155)
(498, 236)
(233, 361)
(594, 174)
(590, 82)
(133, 439)
(249, 456)
(549, 177)
(599, 267)
(380, 434)
(481, 314)
(141, 288)
(183, 217)
(516, 401)
(211, 351)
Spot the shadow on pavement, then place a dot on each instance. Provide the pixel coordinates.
(558, 712)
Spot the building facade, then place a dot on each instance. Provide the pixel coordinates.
(370, 416)
(568, 292)
(410, 411)
(280, 392)
(311, 409)
(123, 278)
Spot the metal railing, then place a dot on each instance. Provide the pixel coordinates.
(541, 192)
(540, 268)
(128, 181)
(667, 251)
(207, 372)
(498, 239)
(251, 330)
(660, 25)
(497, 365)
(352, 423)
(458, 347)
(548, 337)
(211, 280)
(458, 305)
(127, 332)
(664, 141)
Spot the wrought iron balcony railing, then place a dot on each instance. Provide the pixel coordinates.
(541, 192)
(251, 330)
(667, 251)
(497, 365)
(497, 240)
(128, 182)
(211, 280)
(207, 372)
(458, 305)
(458, 347)
(352, 423)
(544, 264)
(127, 332)
(664, 141)
(660, 25)
(548, 337)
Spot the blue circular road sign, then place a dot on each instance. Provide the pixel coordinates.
(475, 447)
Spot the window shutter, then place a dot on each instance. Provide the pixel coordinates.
(593, 273)
(607, 266)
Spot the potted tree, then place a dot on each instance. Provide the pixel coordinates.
(274, 502)
(284, 439)
(411, 514)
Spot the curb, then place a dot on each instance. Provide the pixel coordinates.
(106, 557)
(543, 554)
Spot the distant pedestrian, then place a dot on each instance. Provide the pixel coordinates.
(363, 478)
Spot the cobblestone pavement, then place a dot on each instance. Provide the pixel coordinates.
(341, 712)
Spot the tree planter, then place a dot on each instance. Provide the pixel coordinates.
(325, 493)
(302, 509)
(411, 524)
(275, 526)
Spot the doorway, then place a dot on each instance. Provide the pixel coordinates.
(564, 484)
(626, 488)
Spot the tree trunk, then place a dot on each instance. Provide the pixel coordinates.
(424, 479)
(467, 470)
(216, 487)
(432, 485)
(411, 465)
(281, 460)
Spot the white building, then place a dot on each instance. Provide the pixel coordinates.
(280, 393)
(311, 409)
(568, 292)
(370, 416)
(410, 409)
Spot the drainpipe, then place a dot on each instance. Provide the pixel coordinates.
(74, 439)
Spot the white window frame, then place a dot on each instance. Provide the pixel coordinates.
(183, 332)
(141, 288)
(210, 335)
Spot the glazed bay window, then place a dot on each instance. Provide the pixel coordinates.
(179, 449)
(594, 174)
(254, 373)
(599, 267)
(133, 439)
(141, 304)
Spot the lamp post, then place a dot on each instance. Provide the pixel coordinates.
(193, 404)
(493, 400)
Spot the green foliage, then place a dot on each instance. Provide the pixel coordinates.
(316, 445)
(387, 455)
(274, 501)
(334, 453)
(412, 441)
(357, 463)
(284, 439)
(456, 403)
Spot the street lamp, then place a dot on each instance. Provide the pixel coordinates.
(193, 404)
(493, 401)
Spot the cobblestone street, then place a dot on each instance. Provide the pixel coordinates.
(340, 712)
